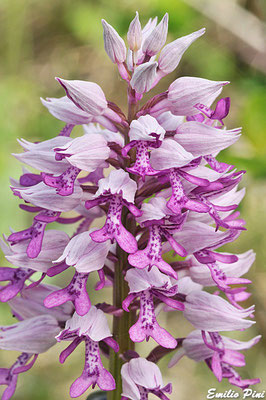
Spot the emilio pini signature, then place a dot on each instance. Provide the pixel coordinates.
(232, 394)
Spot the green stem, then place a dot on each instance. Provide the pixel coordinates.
(121, 325)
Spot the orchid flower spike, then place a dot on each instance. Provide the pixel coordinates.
(153, 175)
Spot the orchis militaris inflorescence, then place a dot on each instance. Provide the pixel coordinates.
(155, 176)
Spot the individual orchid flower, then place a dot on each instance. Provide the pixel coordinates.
(146, 285)
(227, 202)
(159, 228)
(54, 242)
(203, 240)
(86, 256)
(86, 153)
(223, 360)
(115, 48)
(171, 54)
(137, 56)
(16, 254)
(35, 233)
(31, 336)
(222, 214)
(145, 44)
(144, 75)
(89, 97)
(119, 190)
(205, 254)
(219, 352)
(141, 377)
(134, 35)
(175, 161)
(144, 133)
(30, 304)
(211, 313)
(184, 93)
(156, 39)
(210, 118)
(222, 274)
(90, 328)
(202, 140)
(65, 110)
(114, 45)
(43, 196)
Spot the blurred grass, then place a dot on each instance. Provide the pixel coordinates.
(44, 39)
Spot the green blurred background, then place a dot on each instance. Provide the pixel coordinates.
(44, 39)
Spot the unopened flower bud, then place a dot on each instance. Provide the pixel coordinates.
(114, 45)
(171, 54)
(134, 35)
(155, 41)
(187, 91)
(86, 95)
